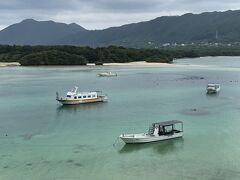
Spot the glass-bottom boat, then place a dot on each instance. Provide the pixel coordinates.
(74, 97)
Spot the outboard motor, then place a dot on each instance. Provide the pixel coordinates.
(57, 96)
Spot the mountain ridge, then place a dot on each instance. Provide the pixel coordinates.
(205, 27)
(32, 32)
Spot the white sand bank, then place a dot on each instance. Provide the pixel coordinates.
(5, 64)
(146, 64)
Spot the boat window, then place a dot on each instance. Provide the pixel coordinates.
(68, 96)
(84, 96)
(168, 129)
(75, 97)
(94, 96)
(79, 97)
(89, 96)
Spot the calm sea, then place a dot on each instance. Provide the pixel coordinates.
(42, 140)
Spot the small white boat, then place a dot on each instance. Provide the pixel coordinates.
(107, 74)
(213, 88)
(157, 132)
(74, 97)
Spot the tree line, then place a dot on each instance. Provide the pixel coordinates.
(75, 55)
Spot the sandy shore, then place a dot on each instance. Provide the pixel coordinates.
(5, 64)
(146, 64)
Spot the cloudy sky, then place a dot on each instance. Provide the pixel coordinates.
(99, 14)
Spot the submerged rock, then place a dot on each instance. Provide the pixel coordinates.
(78, 164)
(70, 161)
(192, 78)
(195, 111)
(29, 164)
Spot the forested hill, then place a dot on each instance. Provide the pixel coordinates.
(74, 55)
(32, 32)
(189, 28)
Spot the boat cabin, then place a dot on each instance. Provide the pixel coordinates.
(213, 85)
(86, 95)
(166, 128)
(74, 95)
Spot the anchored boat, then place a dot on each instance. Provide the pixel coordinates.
(213, 88)
(107, 74)
(157, 132)
(74, 97)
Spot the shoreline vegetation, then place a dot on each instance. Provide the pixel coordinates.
(112, 55)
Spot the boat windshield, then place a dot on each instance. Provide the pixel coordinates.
(151, 130)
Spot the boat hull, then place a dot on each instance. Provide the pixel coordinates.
(100, 75)
(145, 138)
(107, 74)
(84, 101)
(210, 91)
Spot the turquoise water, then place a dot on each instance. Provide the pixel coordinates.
(42, 140)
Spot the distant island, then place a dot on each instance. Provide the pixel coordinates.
(75, 55)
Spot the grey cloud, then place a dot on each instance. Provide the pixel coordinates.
(108, 5)
(124, 5)
(35, 4)
(113, 5)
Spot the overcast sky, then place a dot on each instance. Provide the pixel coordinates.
(99, 14)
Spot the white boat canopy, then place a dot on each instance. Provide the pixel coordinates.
(167, 123)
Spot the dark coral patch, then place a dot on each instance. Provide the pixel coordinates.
(78, 164)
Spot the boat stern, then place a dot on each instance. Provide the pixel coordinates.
(103, 98)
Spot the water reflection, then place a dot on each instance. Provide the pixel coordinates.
(161, 147)
(212, 95)
(80, 107)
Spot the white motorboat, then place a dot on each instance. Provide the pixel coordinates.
(157, 132)
(107, 74)
(213, 88)
(74, 97)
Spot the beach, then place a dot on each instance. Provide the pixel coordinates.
(5, 64)
(151, 64)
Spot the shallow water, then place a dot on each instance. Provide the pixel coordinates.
(41, 139)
